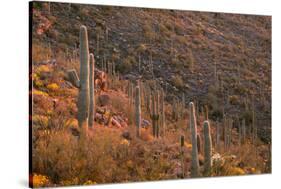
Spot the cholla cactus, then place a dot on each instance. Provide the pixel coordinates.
(193, 129)
(92, 91)
(207, 148)
(138, 111)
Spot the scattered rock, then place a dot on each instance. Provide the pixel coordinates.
(115, 122)
(127, 135)
(145, 123)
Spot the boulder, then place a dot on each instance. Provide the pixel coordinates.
(127, 135)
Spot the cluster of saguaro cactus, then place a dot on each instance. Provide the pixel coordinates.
(85, 101)
(193, 131)
(196, 144)
(207, 148)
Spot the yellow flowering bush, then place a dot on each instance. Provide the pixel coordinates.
(40, 180)
(89, 182)
(53, 87)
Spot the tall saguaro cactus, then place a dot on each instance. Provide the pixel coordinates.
(162, 109)
(243, 131)
(193, 129)
(92, 91)
(155, 113)
(85, 102)
(138, 111)
(207, 148)
(83, 97)
(182, 154)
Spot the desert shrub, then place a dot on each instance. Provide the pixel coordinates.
(66, 159)
(40, 121)
(127, 64)
(40, 53)
(216, 114)
(40, 181)
(177, 81)
(141, 48)
(234, 99)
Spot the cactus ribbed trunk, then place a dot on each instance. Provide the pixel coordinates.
(153, 116)
(193, 129)
(92, 91)
(225, 133)
(218, 136)
(83, 97)
(163, 124)
(157, 113)
(207, 149)
(199, 143)
(182, 154)
(138, 112)
(243, 131)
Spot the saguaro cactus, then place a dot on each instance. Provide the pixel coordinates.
(138, 111)
(162, 109)
(83, 97)
(243, 131)
(199, 143)
(218, 135)
(83, 84)
(182, 154)
(92, 91)
(155, 114)
(193, 129)
(207, 148)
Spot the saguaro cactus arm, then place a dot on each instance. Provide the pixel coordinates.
(92, 91)
(73, 78)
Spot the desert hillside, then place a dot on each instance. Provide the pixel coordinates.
(219, 62)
